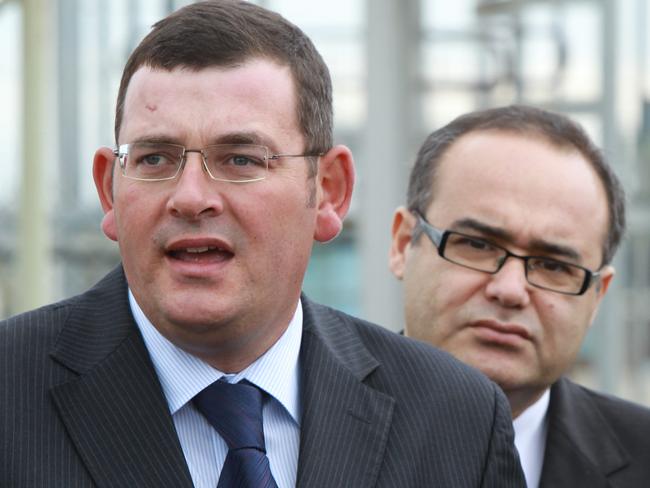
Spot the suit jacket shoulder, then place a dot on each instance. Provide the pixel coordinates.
(81, 405)
(383, 410)
(595, 440)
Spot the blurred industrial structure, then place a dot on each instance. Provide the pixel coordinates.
(401, 68)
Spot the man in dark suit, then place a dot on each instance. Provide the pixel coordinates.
(505, 252)
(223, 175)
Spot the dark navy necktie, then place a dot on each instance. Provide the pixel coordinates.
(235, 410)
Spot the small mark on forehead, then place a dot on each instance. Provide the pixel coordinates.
(151, 107)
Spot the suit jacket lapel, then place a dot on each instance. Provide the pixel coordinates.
(345, 423)
(581, 448)
(115, 411)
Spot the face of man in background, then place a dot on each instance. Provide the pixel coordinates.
(524, 194)
(217, 266)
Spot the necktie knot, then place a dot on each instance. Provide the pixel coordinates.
(235, 411)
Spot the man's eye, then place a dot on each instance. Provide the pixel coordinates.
(555, 267)
(243, 160)
(238, 160)
(475, 244)
(152, 160)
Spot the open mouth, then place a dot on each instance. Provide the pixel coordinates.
(203, 254)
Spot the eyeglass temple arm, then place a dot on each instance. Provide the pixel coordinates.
(278, 156)
(435, 234)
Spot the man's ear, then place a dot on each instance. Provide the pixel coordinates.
(402, 231)
(103, 166)
(606, 276)
(335, 181)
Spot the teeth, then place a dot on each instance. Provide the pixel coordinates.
(200, 249)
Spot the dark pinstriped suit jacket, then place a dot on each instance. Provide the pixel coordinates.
(81, 405)
(595, 440)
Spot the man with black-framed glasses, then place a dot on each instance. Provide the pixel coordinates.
(505, 250)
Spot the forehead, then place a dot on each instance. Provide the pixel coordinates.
(524, 185)
(258, 94)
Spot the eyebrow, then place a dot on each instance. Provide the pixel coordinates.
(155, 138)
(249, 137)
(537, 245)
(240, 138)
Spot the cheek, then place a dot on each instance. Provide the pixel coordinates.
(456, 287)
(139, 205)
(564, 326)
(282, 227)
(435, 296)
(136, 214)
(270, 214)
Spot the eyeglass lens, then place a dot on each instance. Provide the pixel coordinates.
(228, 162)
(481, 255)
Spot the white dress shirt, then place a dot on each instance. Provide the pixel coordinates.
(276, 372)
(530, 438)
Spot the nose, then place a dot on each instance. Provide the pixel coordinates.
(195, 194)
(509, 286)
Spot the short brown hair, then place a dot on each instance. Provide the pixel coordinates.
(556, 128)
(227, 33)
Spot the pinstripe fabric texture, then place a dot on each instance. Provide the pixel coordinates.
(381, 410)
(81, 405)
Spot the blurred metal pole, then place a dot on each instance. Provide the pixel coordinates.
(611, 321)
(392, 134)
(69, 95)
(33, 247)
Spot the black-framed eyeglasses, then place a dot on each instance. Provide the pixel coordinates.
(482, 255)
(237, 163)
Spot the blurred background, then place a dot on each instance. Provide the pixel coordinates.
(401, 68)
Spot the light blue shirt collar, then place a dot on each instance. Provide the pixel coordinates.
(183, 375)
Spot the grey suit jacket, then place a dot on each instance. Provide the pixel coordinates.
(595, 440)
(81, 405)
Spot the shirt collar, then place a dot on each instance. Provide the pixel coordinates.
(530, 438)
(183, 375)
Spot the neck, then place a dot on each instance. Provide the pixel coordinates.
(520, 400)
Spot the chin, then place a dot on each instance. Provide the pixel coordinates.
(196, 314)
(500, 367)
(199, 317)
(508, 377)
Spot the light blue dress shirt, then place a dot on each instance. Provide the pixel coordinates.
(182, 376)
